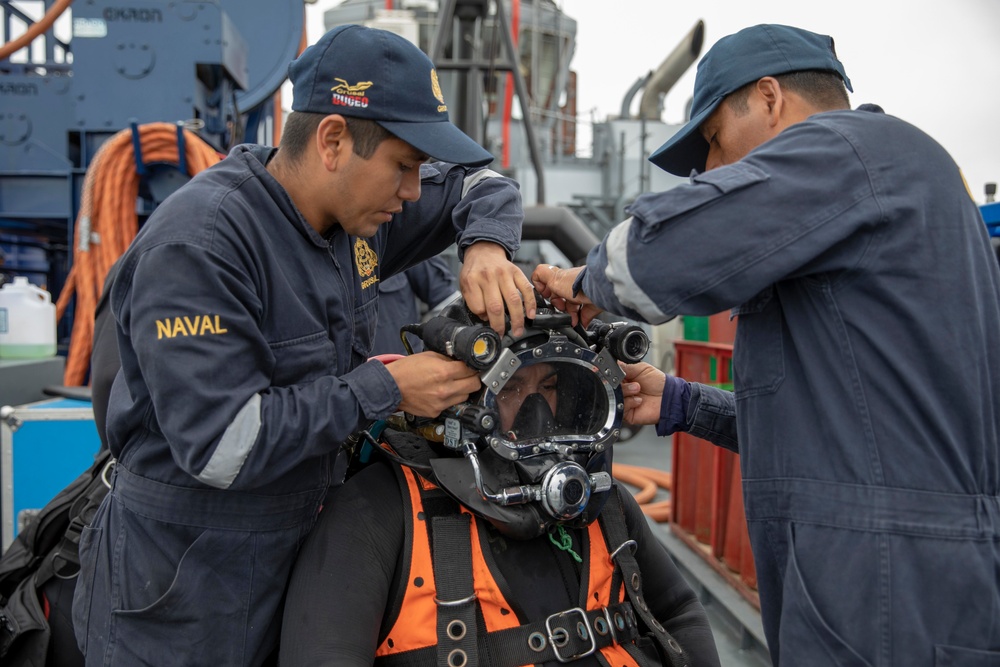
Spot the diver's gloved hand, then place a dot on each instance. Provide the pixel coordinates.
(673, 405)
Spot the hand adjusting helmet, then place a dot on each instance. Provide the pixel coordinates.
(532, 448)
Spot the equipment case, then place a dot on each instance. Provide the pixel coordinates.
(43, 447)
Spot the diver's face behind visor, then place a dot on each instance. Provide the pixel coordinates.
(540, 383)
(551, 401)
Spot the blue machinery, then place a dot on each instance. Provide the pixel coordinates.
(69, 80)
(991, 216)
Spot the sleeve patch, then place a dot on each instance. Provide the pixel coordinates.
(189, 325)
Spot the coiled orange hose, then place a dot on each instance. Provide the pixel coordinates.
(647, 481)
(107, 223)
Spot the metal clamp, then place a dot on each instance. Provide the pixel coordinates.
(587, 633)
(9, 414)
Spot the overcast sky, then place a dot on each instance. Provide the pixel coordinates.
(931, 62)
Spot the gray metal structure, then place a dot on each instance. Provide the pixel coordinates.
(472, 43)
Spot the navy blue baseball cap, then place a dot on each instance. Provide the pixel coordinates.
(733, 62)
(375, 74)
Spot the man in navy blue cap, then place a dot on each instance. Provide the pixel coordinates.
(866, 364)
(245, 313)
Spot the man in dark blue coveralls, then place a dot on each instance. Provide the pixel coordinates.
(245, 312)
(866, 364)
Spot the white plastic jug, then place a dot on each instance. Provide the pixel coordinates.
(27, 321)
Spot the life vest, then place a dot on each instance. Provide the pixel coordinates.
(437, 622)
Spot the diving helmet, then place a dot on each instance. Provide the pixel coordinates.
(532, 448)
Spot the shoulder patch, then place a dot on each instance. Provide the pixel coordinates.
(189, 325)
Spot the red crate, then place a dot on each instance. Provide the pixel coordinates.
(732, 544)
(707, 496)
(722, 328)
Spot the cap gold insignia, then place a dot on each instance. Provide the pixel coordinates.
(344, 88)
(365, 258)
(436, 89)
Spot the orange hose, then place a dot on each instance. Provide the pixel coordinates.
(658, 511)
(36, 29)
(647, 481)
(633, 477)
(107, 223)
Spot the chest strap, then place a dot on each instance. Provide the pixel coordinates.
(623, 553)
(564, 636)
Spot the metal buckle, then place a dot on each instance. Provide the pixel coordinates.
(556, 647)
(630, 544)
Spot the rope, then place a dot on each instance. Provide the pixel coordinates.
(107, 222)
(565, 541)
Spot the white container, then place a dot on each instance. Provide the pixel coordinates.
(27, 321)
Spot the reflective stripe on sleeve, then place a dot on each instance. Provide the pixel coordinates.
(234, 447)
(476, 178)
(617, 272)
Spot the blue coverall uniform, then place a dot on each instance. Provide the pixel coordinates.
(243, 336)
(867, 380)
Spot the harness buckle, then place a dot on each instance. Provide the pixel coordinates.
(560, 635)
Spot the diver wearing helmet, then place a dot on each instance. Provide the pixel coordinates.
(495, 535)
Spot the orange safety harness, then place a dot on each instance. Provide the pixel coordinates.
(436, 623)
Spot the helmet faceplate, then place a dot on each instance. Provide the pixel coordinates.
(535, 442)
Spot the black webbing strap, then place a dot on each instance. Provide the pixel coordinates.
(622, 551)
(64, 560)
(565, 634)
(456, 597)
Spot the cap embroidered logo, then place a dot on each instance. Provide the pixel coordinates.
(347, 95)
